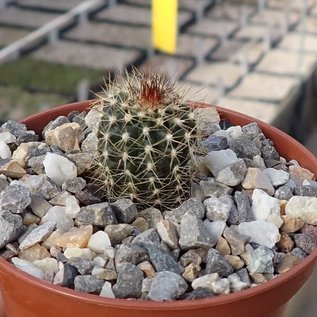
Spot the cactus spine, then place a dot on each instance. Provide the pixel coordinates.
(147, 141)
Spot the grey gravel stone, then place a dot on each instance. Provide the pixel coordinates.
(74, 185)
(193, 233)
(70, 272)
(252, 130)
(161, 260)
(131, 254)
(220, 286)
(189, 257)
(306, 190)
(261, 260)
(299, 253)
(236, 284)
(236, 240)
(198, 293)
(11, 227)
(60, 198)
(285, 192)
(152, 216)
(217, 209)
(86, 198)
(215, 143)
(90, 144)
(118, 232)
(269, 153)
(244, 147)
(168, 233)
(167, 286)
(191, 205)
(88, 284)
(149, 237)
(217, 263)
(36, 164)
(215, 229)
(37, 235)
(15, 198)
(212, 187)
(82, 160)
(306, 242)
(39, 206)
(83, 265)
(244, 276)
(243, 207)
(15, 128)
(41, 185)
(60, 120)
(125, 210)
(233, 174)
(98, 215)
(129, 282)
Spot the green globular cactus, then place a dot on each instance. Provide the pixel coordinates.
(148, 139)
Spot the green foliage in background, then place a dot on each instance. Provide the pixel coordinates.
(41, 76)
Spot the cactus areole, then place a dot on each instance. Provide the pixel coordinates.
(148, 139)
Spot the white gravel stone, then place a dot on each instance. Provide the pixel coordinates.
(221, 286)
(72, 207)
(7, 137)
(5, 152)
(277, 177)
(216, 209)
(215, 229)
(255, 178)
(234, 132)
(99, 242)
(79, 252)
(99, 261)
(106, 290)
(59, 168)
(218, 160)
(303, 207)
(205, 281)
(261, 232)
(58, 215)
(37, 235)
(47, 265)
(263, 205)
(28, 267)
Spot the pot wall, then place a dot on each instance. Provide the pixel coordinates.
(25, 296)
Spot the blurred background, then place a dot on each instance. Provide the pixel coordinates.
(254, 56)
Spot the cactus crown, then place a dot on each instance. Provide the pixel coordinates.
(147, 141)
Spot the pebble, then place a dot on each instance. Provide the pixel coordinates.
(306, 190)
(36, 164)
(28, 267)
(161, 260)
(167, 286)
(11, 227)
(287, 262)
(277, 177)
(42, 186)
(234, 132)
(152, 216)
(15, 198)
(37, 235)
(47, 265)
(217, 263)
(39, 206)
(198, 293)
(74, 185)
(261, 232)
(7, 137)
(223, 246)
(5, 152)
(299, 174)
(99, 242)
(72, 207)
(243, 146)
(205, 281)
(59, 276)
(306, 242)
(29, 218)
(88, 284)
(59, 168)
(58, 216)
(233, 174)
(60, 198)
(303, 207)
(192, 205)
(310, 230)
(236, 240)
(129, 282)
(244, 209)
(189, 257)
(263, 205)
(106, 290)
(65, 137)
(217, 209)
(35, 252)
(97, 214)
(129, 253)
(125, 210)
(83, 265)
(236, 284)
(147, 268)
(220, 286)
(168, 233)
(90, 144)
(215, 143)
(140, 224)
(11, 169)
(291, 224)
(148, 237)
(256, 179)
(191, 271)
(79, 252)
(215, 230)
(286, 191)
(75, 238)
(193, 233)
(118, 232)
(212, 187)
(244, 275)
(286, 244)
(261, 260)
(252, 130)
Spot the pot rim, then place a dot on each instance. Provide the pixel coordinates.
(171, 305)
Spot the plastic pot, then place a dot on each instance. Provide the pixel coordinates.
(25, 296)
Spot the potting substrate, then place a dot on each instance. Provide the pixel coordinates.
(251, 216)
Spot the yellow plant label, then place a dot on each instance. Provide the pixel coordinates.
(164, 25)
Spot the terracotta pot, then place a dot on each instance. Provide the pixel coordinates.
(25, 296)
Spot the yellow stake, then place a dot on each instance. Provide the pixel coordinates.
(164, 25)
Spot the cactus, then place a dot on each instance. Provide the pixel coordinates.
(148, 138)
